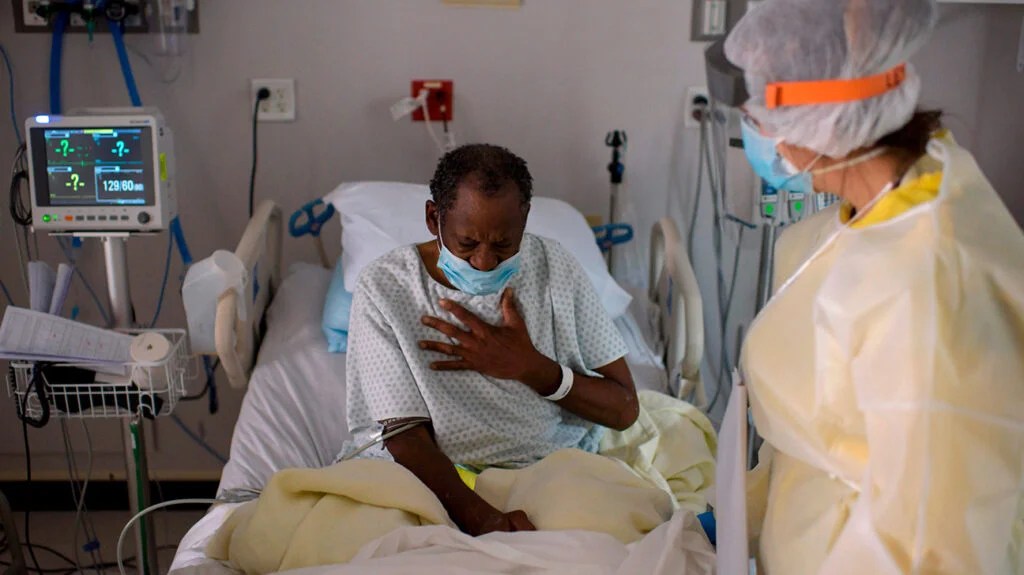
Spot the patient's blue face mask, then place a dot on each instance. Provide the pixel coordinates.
(468, 279)
(768, 163)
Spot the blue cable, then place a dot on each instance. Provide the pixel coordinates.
(199, 440)
(56, 55)
(10, 87)
(179, 238)
(211, 374)
(126, 65)
(163, 284)
(7, 294)
(176, 234)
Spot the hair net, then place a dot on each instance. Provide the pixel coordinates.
(804, 40)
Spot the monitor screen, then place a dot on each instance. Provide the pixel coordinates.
(80, 167)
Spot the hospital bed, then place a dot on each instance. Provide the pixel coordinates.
(293, 413)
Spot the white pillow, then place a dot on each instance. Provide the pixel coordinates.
(377, 217)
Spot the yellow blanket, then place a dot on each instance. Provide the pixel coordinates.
(308, 517)
(672, 445)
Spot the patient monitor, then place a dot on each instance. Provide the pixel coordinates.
(101, 170)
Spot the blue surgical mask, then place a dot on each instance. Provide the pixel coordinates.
(768, 163)
(468, 279)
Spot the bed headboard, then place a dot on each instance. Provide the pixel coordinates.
(237, 340)
(672, 286)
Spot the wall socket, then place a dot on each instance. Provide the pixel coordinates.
(693, 97)
(280, 107)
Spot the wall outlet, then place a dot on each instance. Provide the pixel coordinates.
(694, 97)
(280, 107)
(28, 10)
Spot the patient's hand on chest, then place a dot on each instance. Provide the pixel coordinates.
(503, 351)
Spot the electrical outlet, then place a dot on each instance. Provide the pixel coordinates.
(694, 96)
(280, 107)
(28, 11)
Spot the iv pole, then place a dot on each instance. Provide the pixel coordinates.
(615, 140)
(115, 257)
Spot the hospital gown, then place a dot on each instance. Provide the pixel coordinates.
(478, 421)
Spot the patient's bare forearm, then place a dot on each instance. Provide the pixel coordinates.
(610, 400)
(416, 451)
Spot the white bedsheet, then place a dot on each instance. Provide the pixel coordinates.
(293, 414)
(676, 547)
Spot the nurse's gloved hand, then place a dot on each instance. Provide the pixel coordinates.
(501, 351)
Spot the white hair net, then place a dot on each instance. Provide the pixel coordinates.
(805, 40)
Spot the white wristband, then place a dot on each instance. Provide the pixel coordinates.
(568, 378)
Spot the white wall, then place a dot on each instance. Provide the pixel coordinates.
(547, 81)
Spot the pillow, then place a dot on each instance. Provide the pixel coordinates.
(337, 308)
(377, 217)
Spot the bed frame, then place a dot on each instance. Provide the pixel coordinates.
(673, 290)
(237, 340)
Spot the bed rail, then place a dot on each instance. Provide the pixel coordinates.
(237, 340)
(673, 288)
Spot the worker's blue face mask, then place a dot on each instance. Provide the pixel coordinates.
(468, 279)
(768, 163)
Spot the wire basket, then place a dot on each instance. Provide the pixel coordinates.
(68, 390)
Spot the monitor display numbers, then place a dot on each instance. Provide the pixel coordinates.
(90, 167)
(114, 185)
(121, 186)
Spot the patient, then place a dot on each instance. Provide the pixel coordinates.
(492, 337)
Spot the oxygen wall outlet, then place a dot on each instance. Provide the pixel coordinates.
(280, 106)
(439, 101)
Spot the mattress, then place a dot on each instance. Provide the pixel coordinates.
(293, 413)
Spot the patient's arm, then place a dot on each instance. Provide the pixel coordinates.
(416, 451)
(507, 352)
(609, 400)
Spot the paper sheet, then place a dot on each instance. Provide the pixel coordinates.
(60, 289)
(41, 280)
(31, 335)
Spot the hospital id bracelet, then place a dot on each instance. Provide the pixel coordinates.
(568, 377)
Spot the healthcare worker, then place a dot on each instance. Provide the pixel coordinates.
(886, 375)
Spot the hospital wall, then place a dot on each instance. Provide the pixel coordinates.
(547, 80)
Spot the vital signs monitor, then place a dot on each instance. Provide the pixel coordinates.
(101, 170)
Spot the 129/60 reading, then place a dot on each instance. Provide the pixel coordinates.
(122, 186)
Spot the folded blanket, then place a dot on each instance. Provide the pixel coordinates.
(672, 445)
(308, 517)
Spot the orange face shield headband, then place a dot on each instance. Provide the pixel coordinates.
(780, 94)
